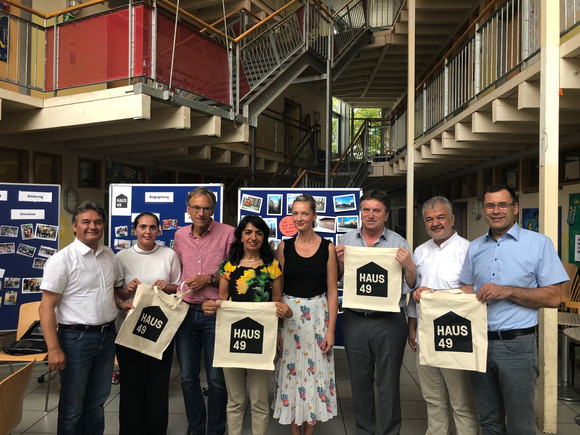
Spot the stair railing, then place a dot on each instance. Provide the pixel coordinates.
(351, 168)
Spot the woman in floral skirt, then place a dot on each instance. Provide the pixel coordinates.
(305, 379)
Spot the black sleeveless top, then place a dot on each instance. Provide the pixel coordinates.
(305, 277)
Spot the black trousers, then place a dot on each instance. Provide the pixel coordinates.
(144, 399)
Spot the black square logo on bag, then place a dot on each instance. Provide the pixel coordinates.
(247, 336)
(151, 323)
(121, 201)
(372, 280)
(453, 333)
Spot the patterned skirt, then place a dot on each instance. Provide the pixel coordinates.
(305, 379)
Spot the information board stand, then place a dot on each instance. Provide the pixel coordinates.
(29, 230)
(167, 201)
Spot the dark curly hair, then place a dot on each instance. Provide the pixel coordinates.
(237, 247)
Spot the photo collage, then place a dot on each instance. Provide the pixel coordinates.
(336, 210)
(29, 233)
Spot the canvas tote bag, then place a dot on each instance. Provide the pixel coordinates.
(452, 330)
(152, 324)
(372, 279)
(245, 335)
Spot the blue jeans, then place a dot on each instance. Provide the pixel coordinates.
(196, 332)
(507, 388)
(85, 383)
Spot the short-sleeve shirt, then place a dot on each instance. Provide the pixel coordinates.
(84, 279)
(250, 284)
(439, 267)
(203, 256)
(519, 258)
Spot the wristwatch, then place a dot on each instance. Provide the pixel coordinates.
(212, 279)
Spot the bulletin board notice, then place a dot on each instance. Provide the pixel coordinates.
(29, 230)
(166, 201)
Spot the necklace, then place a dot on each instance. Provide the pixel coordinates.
(251, 261)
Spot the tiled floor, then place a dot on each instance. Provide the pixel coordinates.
(36, 421)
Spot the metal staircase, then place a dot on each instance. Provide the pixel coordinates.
(269, 56)
(350, 170)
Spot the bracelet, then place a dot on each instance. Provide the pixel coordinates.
(118, 304)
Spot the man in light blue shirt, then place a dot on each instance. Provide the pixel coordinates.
(516, 272)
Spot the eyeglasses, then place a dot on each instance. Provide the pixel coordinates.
(501, 205)
(196, 209)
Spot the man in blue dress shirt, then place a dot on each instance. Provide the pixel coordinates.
(516, 272)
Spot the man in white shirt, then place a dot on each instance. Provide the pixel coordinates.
(439, 262)
(77, 295)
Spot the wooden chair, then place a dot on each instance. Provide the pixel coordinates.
(571, 289)
(12, 390)
(28, 314)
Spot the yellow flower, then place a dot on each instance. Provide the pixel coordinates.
(273, 270)
(242, 285)
(242, 282)
(249, 274)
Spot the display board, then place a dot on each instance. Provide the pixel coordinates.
(29, 230)
(337, 213)
(167, 201)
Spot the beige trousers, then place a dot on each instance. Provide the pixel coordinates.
(444, 387)
(257, 384)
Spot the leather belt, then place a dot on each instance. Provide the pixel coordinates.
(195, 306)
(509, 334)
(369, 314)
(88, 328)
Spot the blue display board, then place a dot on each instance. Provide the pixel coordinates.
(29, 230)
(337, 213)
(167, 201)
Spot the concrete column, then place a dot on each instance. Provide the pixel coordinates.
(410, 122)
(548, 152)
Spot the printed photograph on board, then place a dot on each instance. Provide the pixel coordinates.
(26, 250)
(27, 231)
(275, 204)
(46, 251)
(31, 285)
(344, 203)
(46, 232)
(325, 224)
(346, 223)
(8, 231)
(320, 203)
(290, 197)
(7, 248)
(251, 203)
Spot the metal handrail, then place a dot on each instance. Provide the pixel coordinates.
(458, 43)
(264, 21)
(302, 145)
(304, 173)
(231, 14)
(350, 147)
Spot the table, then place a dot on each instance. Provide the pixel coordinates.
(566, 391)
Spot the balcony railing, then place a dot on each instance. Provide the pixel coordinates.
(500, 41)
(159, 44)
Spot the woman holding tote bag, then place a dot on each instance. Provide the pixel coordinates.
(250, 274)
(144, 399)
(305, 383)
